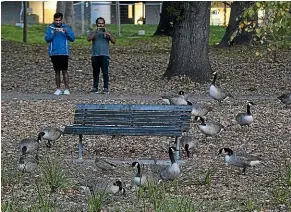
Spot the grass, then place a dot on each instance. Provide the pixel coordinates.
(53, 175)
(129, 32)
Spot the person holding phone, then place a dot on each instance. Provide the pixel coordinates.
(100, 54)
(57, 36)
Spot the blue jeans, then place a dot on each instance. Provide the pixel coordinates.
(103, 63)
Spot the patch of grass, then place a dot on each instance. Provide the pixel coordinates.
(53, 175)
(129, 34)
(96, 201)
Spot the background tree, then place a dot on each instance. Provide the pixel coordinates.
(189, 53)
(165, 26)
(231, 35)
(274, 28)
(67, 8)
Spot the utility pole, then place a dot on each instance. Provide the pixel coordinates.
(118, 18)
(24, 21)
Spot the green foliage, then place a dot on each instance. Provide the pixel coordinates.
(96, 201)
(53, 175)
(273, 29)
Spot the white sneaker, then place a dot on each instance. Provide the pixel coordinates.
(66, 92)
(58, 92)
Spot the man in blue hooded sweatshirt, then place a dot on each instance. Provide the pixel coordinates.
(57, 36)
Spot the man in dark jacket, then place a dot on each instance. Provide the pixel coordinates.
(57, 36)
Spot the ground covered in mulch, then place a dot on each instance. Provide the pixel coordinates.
(27, 69)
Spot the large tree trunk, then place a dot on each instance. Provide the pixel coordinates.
(67, 8)
(165, 26)
(237, 8)
(189, 53)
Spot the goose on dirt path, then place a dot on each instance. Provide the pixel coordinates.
(176, 100)
(29, 145)
(285, 99)
(188, 142)
(51, 134)
(216, 92)
(27, 165)
(245, 119)
(102, 186)
(209, 128)
(142, 179)
(200, 109)
(173, 171)
(239, 159)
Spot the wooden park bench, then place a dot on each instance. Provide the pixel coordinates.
(130, 120)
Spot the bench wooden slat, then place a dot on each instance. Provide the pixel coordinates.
(131, 107)
(111, 130)
(131, 119)
(125, 123)
(130, 113)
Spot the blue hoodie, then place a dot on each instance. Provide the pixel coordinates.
(58, 42)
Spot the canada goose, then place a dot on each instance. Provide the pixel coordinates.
(101, 185)
(209, 128)
(29, 145)
(27, 164)
(240, 159)
(217, 93)
(200, 109)
(188, 142)
(172, 171)
(166, 99)
(104, 164)
(141, 179)
(177, 100)
(285, 99)
(50, 134)
(245, 119)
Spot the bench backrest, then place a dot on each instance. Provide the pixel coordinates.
(133, 119)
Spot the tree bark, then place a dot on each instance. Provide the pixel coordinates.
(237, 8)
(67, 8)
(189, 53)
(165, 27)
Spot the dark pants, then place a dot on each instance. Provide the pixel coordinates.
(97, 63)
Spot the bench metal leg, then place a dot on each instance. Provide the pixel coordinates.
(177, 142)
(80, 147)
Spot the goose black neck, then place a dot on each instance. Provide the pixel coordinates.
(202, 121)
(214, 79)
(138, 170)
(23, 150)
(171, 155)
(40, 136)
(248, 109)
(187, 147)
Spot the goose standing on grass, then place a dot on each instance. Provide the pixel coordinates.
(176, 100)
(245, 119)
(200, 109)
(285, 99)
(239, 159)
(188, 142)
(27, 165)
(217, 93)
(29, 145)
(50, 134)
(173, 171)
(102, 186)
(141, 179)
(209, 128)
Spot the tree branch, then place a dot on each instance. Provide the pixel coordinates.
(226, 3)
